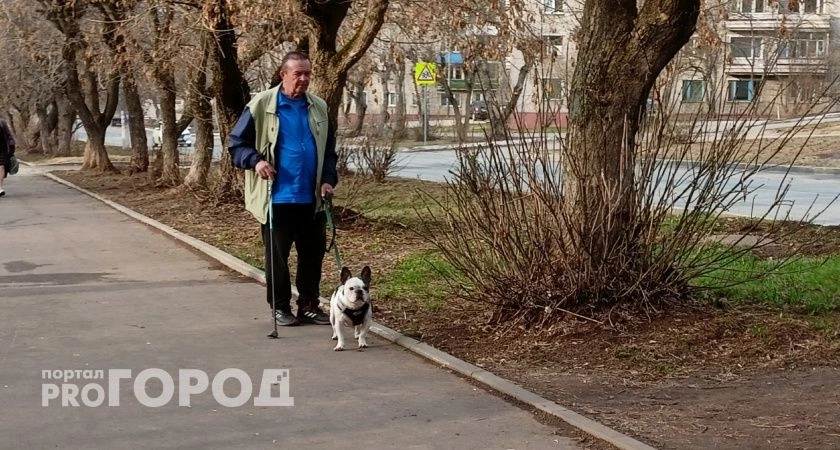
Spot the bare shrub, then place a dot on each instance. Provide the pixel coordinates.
(346, 151)
(375, 156)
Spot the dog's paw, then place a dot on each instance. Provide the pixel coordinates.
(363, 344)
(334, 337)
(338, 348)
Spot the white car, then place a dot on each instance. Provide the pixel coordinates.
(184, 140)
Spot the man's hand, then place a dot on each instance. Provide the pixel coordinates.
(326, 190)
(266, 171)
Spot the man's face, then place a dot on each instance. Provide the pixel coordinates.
(296, 77)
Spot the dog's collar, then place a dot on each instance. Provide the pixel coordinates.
(357, 316)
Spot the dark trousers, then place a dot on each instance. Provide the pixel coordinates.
(299, 225)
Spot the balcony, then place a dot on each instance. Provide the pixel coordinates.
(742, 22)
(461, 85)
(799, 65)
(782, 66)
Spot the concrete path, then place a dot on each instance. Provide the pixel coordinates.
(83, 287)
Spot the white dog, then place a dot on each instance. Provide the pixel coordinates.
(350, 306)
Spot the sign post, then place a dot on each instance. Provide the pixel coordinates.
(425, 74)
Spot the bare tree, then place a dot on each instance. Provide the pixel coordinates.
(82, 79)
(117, 13)
(202, 110)
(229, 87)
(31, 75)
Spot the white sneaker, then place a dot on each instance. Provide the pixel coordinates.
(2, 192)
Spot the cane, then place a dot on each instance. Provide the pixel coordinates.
(270, 273)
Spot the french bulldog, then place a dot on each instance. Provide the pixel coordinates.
(350, 306)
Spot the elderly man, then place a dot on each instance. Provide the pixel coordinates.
(286, 144)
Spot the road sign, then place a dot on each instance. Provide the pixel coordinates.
(425, 74)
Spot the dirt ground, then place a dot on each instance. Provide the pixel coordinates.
(697, 377)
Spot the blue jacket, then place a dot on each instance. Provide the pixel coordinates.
(254, 139)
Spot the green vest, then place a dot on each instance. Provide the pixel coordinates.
(263, 109)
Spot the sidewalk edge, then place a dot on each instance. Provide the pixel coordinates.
(446, 360)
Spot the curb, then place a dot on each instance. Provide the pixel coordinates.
(445, 360)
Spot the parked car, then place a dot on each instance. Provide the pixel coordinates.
(184, 140)
(478, 110)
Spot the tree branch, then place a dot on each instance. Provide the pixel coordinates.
(373, 18)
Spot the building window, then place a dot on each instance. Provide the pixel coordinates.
(553, 45)
(803, 46)
(741, 90)
(748, 6)
(455, 72)
(553, 6)
(392, 98)
(810, 6)
(745, 47)
(444, 99)
(801, 6)
(552, 88)
(453, 64)
(693, 90)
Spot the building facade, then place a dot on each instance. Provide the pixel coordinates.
(777, 57)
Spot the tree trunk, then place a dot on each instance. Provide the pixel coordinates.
(170, 174)
(47, 121)
(621, 52)
(499, 117)
(136, 124)
(229, 88)
(66, 123)
(399, 119)
(96, 156)
(460, 121)
(360, 106)
(202, 110)
(19, 124)
(203, 148)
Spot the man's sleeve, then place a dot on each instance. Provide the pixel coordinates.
(242, 144)
(329, 174)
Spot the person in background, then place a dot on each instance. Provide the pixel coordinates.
(7, 150)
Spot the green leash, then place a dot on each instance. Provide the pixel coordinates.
(333, 244)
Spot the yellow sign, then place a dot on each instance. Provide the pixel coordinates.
(425, 74)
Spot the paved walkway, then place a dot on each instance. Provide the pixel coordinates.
(85, 287)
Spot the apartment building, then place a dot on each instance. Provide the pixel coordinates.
(780, 54)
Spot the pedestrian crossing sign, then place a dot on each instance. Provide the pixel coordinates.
(425, 74)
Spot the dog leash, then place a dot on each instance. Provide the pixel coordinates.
(333, 244)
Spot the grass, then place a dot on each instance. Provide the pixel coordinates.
(419, 276)
(397, 201)
(813, 284)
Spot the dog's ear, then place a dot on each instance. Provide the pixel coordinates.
(345, 275)
(366, 275)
